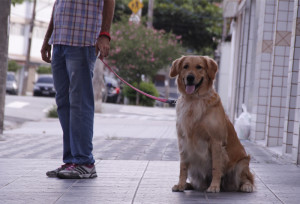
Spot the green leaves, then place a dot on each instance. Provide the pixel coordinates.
(137, 50)
(13, 66)
(144, 100)
(44, 70)
(14, 2)
(197, 21)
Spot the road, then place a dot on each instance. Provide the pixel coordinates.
(20, 109)
(119, 131)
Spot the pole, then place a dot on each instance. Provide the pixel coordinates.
(150, 14)
(27, 63)
(4, 37)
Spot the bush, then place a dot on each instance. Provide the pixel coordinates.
(44, 70)
(13, 66)
(137, 50)
(148, 88)
(52, 113)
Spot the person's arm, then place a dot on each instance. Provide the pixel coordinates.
(103, 41)
(46, 48)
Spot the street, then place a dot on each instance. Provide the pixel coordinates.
(119, 132)
(136, 156)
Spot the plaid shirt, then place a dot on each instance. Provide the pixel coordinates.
(76, 22)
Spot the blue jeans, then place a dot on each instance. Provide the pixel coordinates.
(72, 69)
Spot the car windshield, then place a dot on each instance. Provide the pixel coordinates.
(47, 80)
(10, 77)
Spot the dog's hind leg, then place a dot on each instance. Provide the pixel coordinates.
(247, 181)
(246, 177)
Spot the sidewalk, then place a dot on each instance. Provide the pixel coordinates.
(136, 160)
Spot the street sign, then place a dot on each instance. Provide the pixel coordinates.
(135, 5)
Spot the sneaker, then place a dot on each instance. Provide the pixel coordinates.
(54, 173)
(77, 171)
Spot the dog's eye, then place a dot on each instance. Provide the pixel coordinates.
(186, 66)
(198, 67)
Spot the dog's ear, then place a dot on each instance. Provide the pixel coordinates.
(175, 67)
(212, 67)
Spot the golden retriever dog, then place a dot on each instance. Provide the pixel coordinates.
(211, 155)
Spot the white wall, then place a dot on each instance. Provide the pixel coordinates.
(224, 71)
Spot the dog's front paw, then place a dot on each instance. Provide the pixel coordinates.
(213, 189)
(178, 188)
(247, 187)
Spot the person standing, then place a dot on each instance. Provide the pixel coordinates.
(78, 30)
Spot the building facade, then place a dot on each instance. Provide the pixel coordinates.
(264, 70)
(19, 33)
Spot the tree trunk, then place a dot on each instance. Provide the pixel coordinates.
(4, 21)
(98, 85)
(150, 14)
(137, 100)
(27, 63)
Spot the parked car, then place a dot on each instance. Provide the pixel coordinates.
(44, 86)
(111, 93)
(11, 83)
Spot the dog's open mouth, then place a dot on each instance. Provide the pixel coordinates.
(189, 89)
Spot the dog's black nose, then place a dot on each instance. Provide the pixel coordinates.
(190, 79)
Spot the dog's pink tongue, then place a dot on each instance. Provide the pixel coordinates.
(190, 89)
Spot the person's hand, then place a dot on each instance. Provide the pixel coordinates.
(102, 45)
(46, 51)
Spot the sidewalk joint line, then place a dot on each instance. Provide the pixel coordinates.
(66, 191)
(10, 182)
(137, 188)
(205, 196)
(269, 188)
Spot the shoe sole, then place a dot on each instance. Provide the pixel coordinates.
(52, 175)
(76, 176)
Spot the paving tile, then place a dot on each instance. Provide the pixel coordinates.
(28, 197)
(124, 181)
(134, 180)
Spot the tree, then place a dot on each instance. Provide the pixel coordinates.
(14, 2)
(27, 63)
(121, 10)
(139, 51)
(199, 22)
(4, 19)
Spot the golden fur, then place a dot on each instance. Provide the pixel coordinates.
(211, 155)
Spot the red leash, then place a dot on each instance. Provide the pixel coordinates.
(169, 101)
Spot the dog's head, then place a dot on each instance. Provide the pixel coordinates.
(195, 74)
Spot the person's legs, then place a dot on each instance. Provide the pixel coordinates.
(80, 65)
(62, 84)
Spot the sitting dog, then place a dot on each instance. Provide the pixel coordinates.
(211, 155)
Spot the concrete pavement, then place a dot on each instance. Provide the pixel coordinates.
(136, 160)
